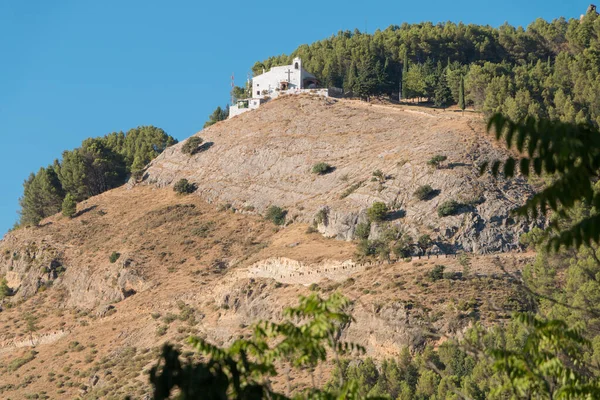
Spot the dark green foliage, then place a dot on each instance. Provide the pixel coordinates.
(4, 289)
(570, 155)
(391, 240)
(242, 370)
(183, 186)
(98, 165)
(91, 169)
(321, 168)
(362, 230)
(114, 257)
(449, 207)
(436, 273)
(436, 160)
(377, 212)
(404, 73)
(370, 79)
(240, 93)
(379, 175)
(442, 96)
(69, 206)
(369, 248)
(351, 189)
(322, 216)
(276, 215)
(503, 69)
(424, 192)
(191, 145)
(424, 242)
(42, 196)
(140, 145)
(461, 94)
(549, 363)
(220, 114)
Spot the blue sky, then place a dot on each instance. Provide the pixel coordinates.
(74, 69)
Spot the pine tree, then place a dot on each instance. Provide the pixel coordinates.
(404, 74)
(42, 196)
(69, 206)
(366, 81)
(442, 96)
(461, 94)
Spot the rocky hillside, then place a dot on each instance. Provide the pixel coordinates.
(92, 298)
(265, 158)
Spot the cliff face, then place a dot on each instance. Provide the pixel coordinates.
(265, 158)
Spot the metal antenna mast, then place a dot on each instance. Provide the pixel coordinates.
(232, 87)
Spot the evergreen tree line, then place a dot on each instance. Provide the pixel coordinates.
(548, 70)
(98, 165)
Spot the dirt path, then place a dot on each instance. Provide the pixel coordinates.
(288, 271)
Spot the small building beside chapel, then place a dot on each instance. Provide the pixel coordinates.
(286, 79)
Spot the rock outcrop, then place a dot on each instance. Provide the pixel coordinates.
(264, 158)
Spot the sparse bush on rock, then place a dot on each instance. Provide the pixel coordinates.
(350, 190)
(436, 273)
(449, 207)
(322, 216)
(424, 192)
(362, 230)
(436, 161)
(276, 215)
(183, 186)
(379, 175)
(190, 147)
(114, 257)
(321, 168)
(377, 212)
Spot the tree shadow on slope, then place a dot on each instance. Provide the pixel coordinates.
(205, 146)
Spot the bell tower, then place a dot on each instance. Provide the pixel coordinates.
(297, 64)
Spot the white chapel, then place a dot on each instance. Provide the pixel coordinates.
(286, 79)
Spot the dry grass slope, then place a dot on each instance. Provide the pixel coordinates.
(185, 264)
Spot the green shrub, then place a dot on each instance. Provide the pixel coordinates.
(4, 289)
(69, 206)
(19, 362)
(465, 261)
(377, 212)
(350, 190)
(379, 175)
(402, 249)
(452, 275)
(424, 192)
(363, 230)
(162, 330)
(436, 273)
(424, 242)
(321, 168)
(183, 186)
(436, 160)
(370, 248)
(114, 257)
(170, 317)
(276, 215)
(449, 207)
(365, 248)
(204, 229)
(190, 147)
(322, 216)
